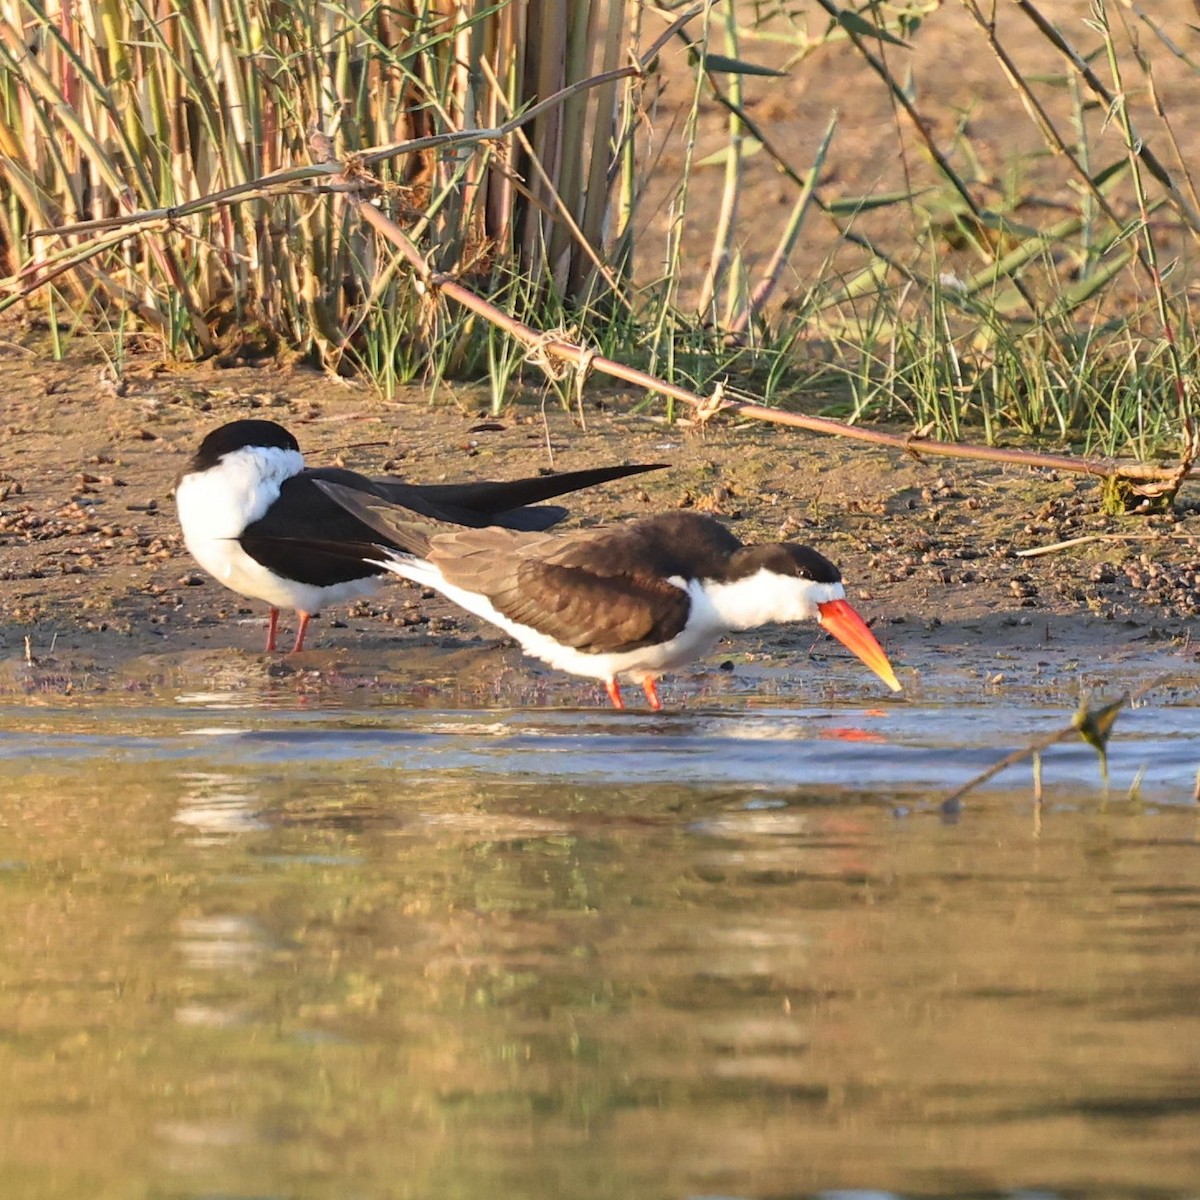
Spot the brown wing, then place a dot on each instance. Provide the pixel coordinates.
(687, 544)
(599, 614)
(583, 604)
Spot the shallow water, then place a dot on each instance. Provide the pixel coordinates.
(256, 949)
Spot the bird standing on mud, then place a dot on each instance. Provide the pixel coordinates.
(246, 502)
(630, 600)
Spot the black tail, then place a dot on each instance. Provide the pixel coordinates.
(325, 562)
(505, 502)
(398, 526)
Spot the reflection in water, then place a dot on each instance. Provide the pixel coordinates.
(849, 733)
(197, 1148)
(217, 700)
(217, 804)
(221, 943)
(351, 965)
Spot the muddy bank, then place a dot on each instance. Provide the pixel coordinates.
(95, 578)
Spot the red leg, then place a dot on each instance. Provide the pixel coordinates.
(304, 620)
(650, 687)
(614, 693)
(272, 626)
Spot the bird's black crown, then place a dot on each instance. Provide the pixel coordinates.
(238, 435)
(787, 559)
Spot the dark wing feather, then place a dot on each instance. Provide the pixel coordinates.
(598, 614)
(344, 511)
(415, 499)
(377, 519)
(502, 502)
(680, 544)
(689, 545)
(597, 611)
(302, 506)
(325, 563)
(532, 519)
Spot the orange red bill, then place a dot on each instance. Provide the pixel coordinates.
(840, 619)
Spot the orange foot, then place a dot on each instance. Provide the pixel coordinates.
(614, 693)
(304, 620)
(650, 687)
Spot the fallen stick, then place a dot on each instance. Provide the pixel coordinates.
(952, 804)
(1053, 548)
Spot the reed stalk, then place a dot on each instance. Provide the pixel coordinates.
(156, 176)
(154, 105)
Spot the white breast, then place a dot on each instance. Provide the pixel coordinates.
(216, 505)
(222, 501)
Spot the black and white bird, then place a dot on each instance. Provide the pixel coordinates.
(247, 502)
(629, 600)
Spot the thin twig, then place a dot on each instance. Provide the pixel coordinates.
(1140, 149)
(1041, 119)
(722, 252)
(561, 211)
(923, 130)
(770, 277)
(298, 179)
(314, 178)
(951, 802)
(1038, 551)
(1161, 479)
(1093, 726)
(1150, 252)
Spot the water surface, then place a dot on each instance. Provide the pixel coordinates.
(255, 950)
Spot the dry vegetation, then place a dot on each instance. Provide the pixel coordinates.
(159, 183)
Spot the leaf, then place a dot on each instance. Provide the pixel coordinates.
(1095, 725)
(956, 213)
(750, 147)
(847, 206)
(721, 64)
(1096, 281)
(869, 281)
(1103, 177)
(851, 22)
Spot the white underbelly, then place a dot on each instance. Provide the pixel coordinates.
(688, 646)
(229, 564)
(214, 508)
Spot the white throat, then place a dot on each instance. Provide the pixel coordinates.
(222, 501)
(216, 505)
(764, 597)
